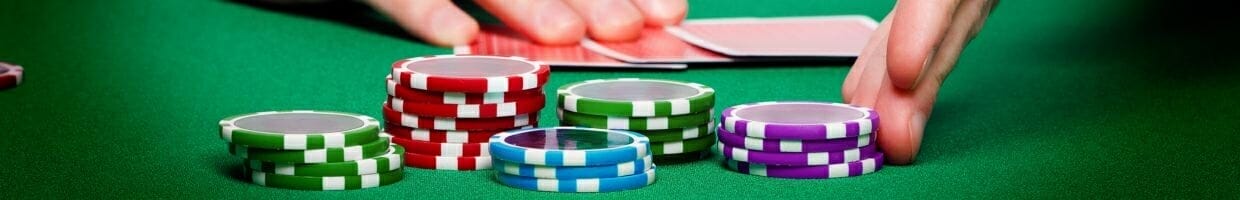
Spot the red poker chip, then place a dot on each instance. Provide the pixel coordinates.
(507, 109)
(448, 123)
(442, 136)
(410, 94)
(470, 73)
(447, 162)
(10, 75)
(443, 149)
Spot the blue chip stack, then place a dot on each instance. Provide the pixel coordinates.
(571, 159)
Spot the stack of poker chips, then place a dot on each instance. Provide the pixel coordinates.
(313, 150)
(675, 115)
(572, 159)
(801, 140)
(443, 109)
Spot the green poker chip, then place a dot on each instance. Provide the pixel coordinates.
(324, 182)
(635, 123)
(687, 157)
(684, 146)
(633, 97)
(349, 153)
(392, 160)
(299, 129)
(678, 134)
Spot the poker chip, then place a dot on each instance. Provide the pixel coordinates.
(443, 149)
(324, 182)
(796, 159)
(448, 123)
(299, 129)
(579, 185)
(678, 134)
(389, 161)
(470, 73)
(799, 120)
(635, 123)
(325, 155)
(409, 94)
(441, 136)
(849, 169)
(569, 146)
(690, 145)
(566, 172)
(463, 163)
(505, 109)
(774, 145)
(633, 97)
(10, 75)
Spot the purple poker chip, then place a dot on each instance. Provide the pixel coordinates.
(797, 159)
(776, 145)
(799, 120)
(850, 169)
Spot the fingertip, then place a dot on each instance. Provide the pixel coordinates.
(903, 67)
(901, 128)
(558, 30)
(658, 13)
(610, 20)
(452, 27)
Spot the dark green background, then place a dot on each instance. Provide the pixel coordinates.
(1054, 99)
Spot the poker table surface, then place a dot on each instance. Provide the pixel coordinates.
(1054, 99)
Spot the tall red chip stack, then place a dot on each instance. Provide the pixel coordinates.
(443, 108)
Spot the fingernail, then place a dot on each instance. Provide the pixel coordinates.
(916, 127)
(547, 18)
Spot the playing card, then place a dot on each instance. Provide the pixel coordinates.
(502, 41)
(655, 46)
(824, 36)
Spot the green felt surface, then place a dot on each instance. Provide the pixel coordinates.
(1055, 99)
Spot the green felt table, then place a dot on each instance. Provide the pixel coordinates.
(1055, 99)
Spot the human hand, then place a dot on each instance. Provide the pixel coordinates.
(553, 22)
(904, 63)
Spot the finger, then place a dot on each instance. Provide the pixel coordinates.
(609, 20)
(871, 47)
(660, 13)
(875, 70)
(437, 22)
(905, 112)
(544, 21)
(917, 31)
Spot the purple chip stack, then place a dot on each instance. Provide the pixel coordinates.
(801, 140)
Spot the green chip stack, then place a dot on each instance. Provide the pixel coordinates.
(313, 150)
(675, 115)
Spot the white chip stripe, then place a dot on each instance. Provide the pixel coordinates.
(836, 171)
(588, 185)
(333, 183)
(643, 108)
(570, 102)
(521, 120)
(656, 123)
(226, 130)
(491, 97)
(280, 168)
(468, 110)
(418, 81)
(506, 109)
(535, 157)
(315, 156)
(574, 158)
(617, 122)
(790, 145)
(690, 132)
(454, 97)
(370, 180)
(680, 106)
(333, 140)
(543, 172)
(753, 143)
(759, 170)
(836, 130)
(529, 81)
(674, 147)
(445, 162)
(497, 84)
(548, 184)
(755, 129)
(367, 166)
(444, 123)
(258, 178)
(628, 168)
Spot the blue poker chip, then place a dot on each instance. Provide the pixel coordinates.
(567, 172)
(579, 185)
(569, 146)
